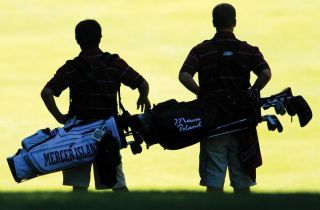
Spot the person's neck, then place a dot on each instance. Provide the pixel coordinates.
(230, 30)
(90, 49)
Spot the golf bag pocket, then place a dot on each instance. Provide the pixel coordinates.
(178, 117)
(20, 168)
(49, 158)
(175, 125)
(37, 138)
(55, 154)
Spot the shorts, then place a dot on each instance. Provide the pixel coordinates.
(80, 177)
(216, 155)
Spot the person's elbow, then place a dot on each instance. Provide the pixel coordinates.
(144, 89)
(264, 77)
(180, 76)
(144, 86)
(46, 92)
(184, 76)
(266, 73)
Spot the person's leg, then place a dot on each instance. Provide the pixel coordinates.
(120, 185)
(215, 189)
(244, 190)
(78, 177)
(213, 164)
(239, 178)
(120, 189)
(79, 189)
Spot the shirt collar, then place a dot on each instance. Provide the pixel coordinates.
(224, 35)
(91, 52)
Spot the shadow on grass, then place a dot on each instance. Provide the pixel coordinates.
(154, 200)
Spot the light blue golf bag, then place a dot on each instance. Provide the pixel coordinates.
(49, 151)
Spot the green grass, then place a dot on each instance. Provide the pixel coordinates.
(158, 200)
(154, 37)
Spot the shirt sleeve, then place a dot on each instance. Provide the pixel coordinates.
(192, 63)
(127, 75)
(60, 80)
(258, 63)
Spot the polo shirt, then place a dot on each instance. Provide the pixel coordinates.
(224, 63)
(94, 99)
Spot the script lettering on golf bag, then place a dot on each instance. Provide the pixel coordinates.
(186, 124)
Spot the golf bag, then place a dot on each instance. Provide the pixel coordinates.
(176, 125)
(76, 143)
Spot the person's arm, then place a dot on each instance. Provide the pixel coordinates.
(187, 80)
(189, 68)
(143, 101)
(129, 77)
(48, 99)
(262, 80)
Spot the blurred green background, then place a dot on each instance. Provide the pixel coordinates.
(154, 37)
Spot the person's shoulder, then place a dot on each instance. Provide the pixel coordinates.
(109, 58)
(201, 47)
(246, 44)
(70, 62)
(68, 66)
(248, 48)
(75, 62)
(203, 44)
(114, 60)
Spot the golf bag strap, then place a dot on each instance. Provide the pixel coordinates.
(123, 110)
(107, 58)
